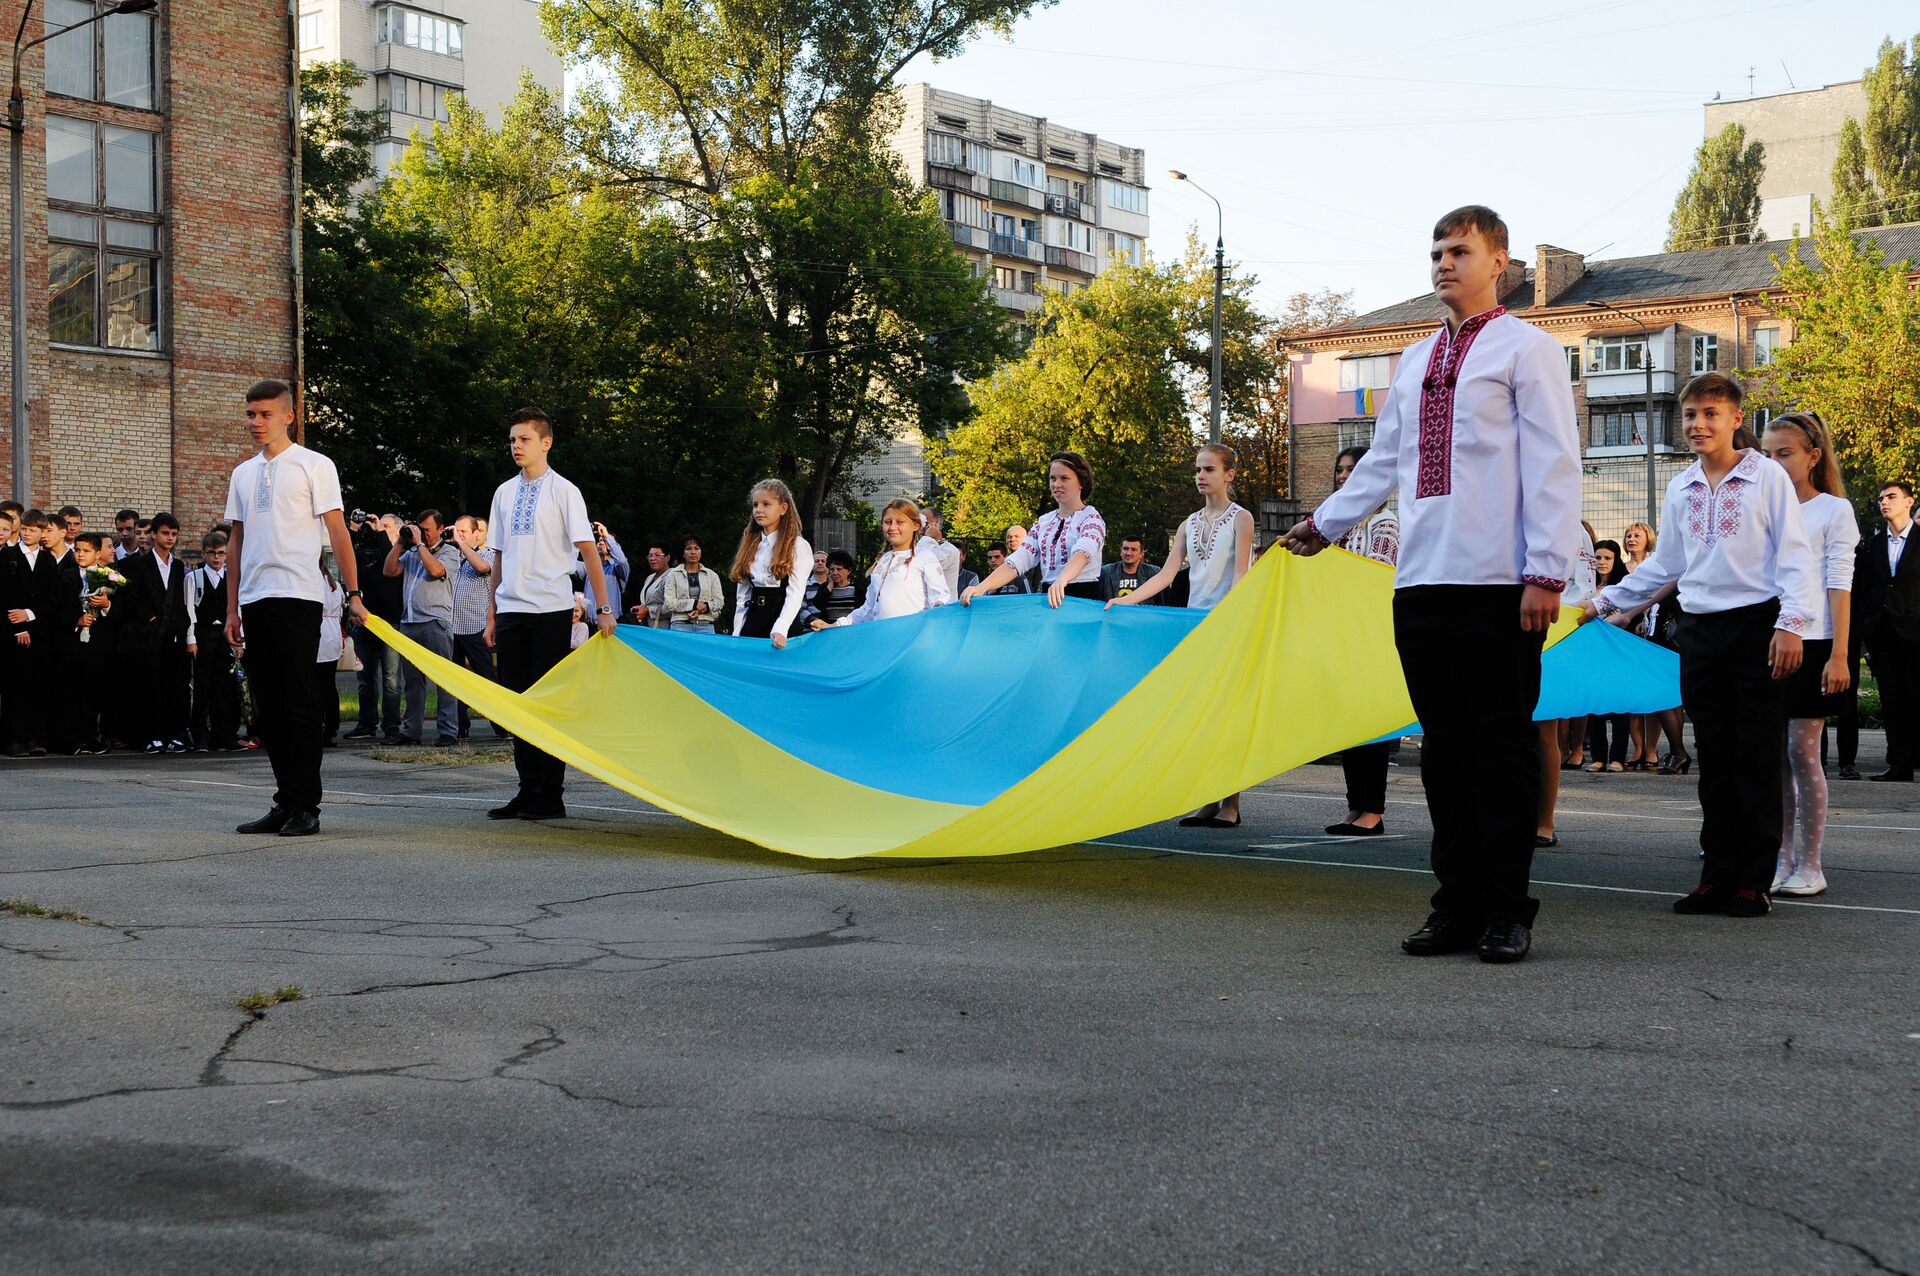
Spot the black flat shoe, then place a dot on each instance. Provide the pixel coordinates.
(303, 824)
(1703, 899)
(511, 811)
(1441, 935)
(1356, 830)
(1749, 903)
(545, 811)
(1505, 942)
(1542, 842)
(272, 822)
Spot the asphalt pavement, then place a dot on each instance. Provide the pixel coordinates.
(623, 1043)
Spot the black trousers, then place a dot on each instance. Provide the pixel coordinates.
(527, 645)
(283, 646)
(23, 697)
(1740, 727)
(216, 696)
(63, 696)
(1847, 721)
(470, 651)
(1598, 748)
(1474, 676)
(1366, 771)
(1896, 667)
(326, 698)
(166, 680)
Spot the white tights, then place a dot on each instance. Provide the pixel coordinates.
(1803, 792)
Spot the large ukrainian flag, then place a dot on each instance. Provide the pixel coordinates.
(1006, 726)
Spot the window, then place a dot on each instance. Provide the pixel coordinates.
(1074, 235)
(1758, 419)
(1011, 168)
(424, 31)
(103, 228)
(109, 61)
(1706, 352)
(1003, 225)
(1030, 230)
(1029, 281)
(1615, 354)
(964, 209)
(1123, 247)
(1573, 363)
(1375, 372)
(947, 151)
(1356, 434)
(1624, 425)
(405, 95)
(312, 35)
(1006, 277)
(1130, 198)
(1766, 344)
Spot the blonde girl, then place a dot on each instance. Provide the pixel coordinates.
(1800, 445)
(771, 567)
(1216, 545)
(907, 579)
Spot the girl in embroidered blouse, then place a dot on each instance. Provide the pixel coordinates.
(771, 567)
(1800, 445)
(1218, 542)
(1737, 548)
(904, 580)
(1065, 542)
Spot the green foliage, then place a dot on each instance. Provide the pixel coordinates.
(1720, 204)
(1259, 431)
(1876, 175)
(1855, 354)
(760, 123)
(1100, 378)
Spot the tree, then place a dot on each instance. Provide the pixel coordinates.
(1260, 434)
(763, 123)
(1876, 175)
(1099, 378)
(1720, 204)
(1855, 354)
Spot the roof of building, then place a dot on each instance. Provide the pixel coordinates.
(1705, 271)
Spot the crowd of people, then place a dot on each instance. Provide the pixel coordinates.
(1759, 579)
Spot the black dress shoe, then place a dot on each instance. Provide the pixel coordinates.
(1356, 830)
(303, 824)
(1505, 941)
(1749, 903)
(1441, 935)
(544, 811)
(1704, 899)
(272, 822)
(511, 811)
(1846, 773)
(1901, 775)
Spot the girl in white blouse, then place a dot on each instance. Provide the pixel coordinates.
(906, 580)
(1218, 543)
(1735, 544)
(771, 566)
(1065, 543)
(1801, 446)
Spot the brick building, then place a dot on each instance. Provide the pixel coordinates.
(1703, 310)
(158, 201)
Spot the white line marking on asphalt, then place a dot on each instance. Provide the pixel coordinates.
(1395, 868)
(434, 797)
(1599, 815)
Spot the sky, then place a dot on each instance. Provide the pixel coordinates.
(1334, 134)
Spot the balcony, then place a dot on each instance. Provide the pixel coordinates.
(441, 68)
(1016, 299)
(1068, 206)
(1627, 383)
(1067, 259)
(1014, 246)
(963, 180)
(968, 236)
(1014, 193)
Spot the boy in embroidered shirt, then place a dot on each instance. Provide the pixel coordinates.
(1732, 536)
(1478, 436)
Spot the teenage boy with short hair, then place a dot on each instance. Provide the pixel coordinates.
(95, 643)
(62, 627)
(216, 696)
(284, 504)
(1889, 585)
(154, 639)
(27, 585)
(537, 524)
(1478, 435)
(125, 535)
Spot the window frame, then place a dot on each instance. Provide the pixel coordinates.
(1597, 346)
(1707, 344)
(1576, 365)
(424, 26)
(1773, 344)
(1371, 365)
(104, 215)
(97, 40)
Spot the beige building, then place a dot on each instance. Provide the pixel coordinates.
(1801, 131)
(417, 54)
(1031, 204)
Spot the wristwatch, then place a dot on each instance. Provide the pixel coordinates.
(354, 593)
(603, 611)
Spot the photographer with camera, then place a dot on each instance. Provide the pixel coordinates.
(374, 536)
(424, 561)
(613, 561)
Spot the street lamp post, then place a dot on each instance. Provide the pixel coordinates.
(1646, 364)
(16, 124)
(1219, 291)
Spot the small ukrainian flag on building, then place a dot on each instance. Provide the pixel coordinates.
(1363, 404)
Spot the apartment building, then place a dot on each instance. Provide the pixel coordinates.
(418, 54)
(1031, 205)
(1671, 315)
(1801, 131)
(158, 207)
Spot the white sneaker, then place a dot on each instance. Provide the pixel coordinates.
(1803, 882)
(1782, 870)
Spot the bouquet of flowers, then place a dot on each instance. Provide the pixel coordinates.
(99, 583)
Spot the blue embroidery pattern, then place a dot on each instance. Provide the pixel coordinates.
(526, 503)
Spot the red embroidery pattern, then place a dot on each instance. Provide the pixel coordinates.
(1714, 516)
(1436, 405)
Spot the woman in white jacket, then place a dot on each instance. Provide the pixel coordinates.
(906, 579)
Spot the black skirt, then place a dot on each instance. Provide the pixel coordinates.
(1082, 589)
(1803, 685)
(763, 608)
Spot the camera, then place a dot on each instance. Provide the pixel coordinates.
(358, 516)
(407, 535)
(446, 536)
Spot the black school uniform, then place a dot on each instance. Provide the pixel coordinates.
(26, 586)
